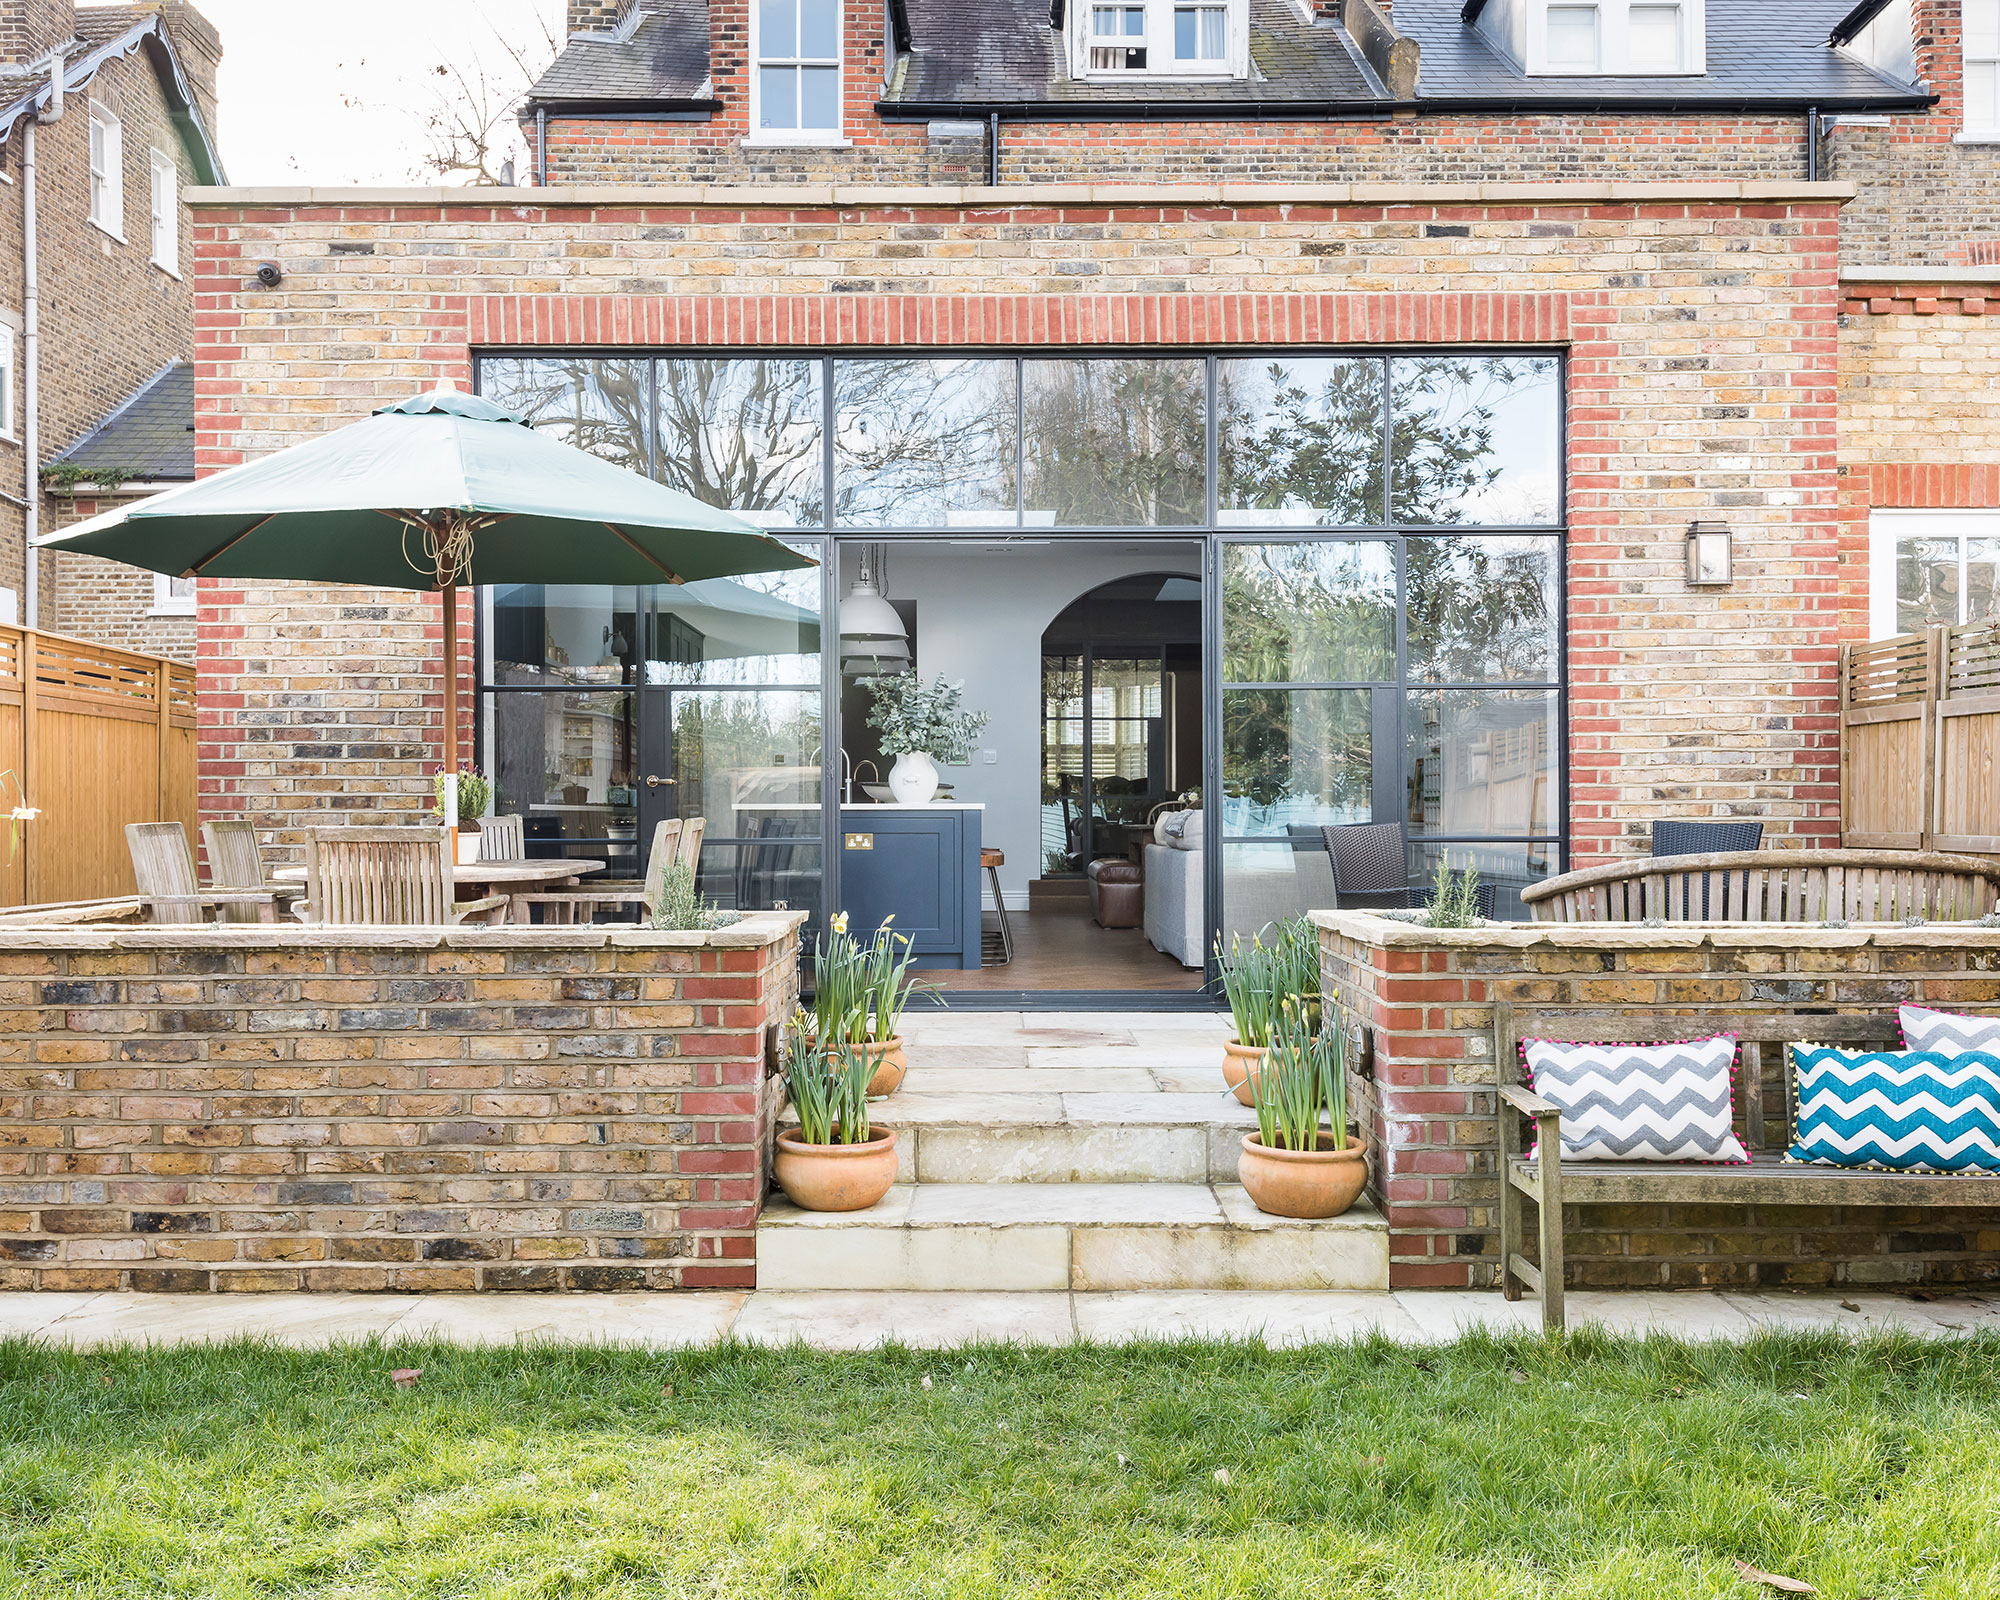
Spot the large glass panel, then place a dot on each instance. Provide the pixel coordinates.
(1319, 612)
(599, 406)
(1299, 442)
(1475, 439)
(743, 758)
(1063, 821)
(761, 628)
(783, 864)
(924, 444)
(1295, 758)
(1482, 610)
(1266, 882)
(1115, 443)
(563, 763)
(1982, 580)
(745, 435)
(1926, 583)
(581, 633)
(1482, 761)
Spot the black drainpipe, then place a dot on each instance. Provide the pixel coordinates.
(1812, 145)
(541, 147)
(993, 150)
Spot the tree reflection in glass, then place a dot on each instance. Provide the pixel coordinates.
(1319, 612)
(745, 435)
(924, 443)
(1297, 756)
(1474, 439)
(1299, 442)
(597, 406)
(1482, 610)
(1115, 443)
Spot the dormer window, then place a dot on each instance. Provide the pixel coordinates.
(1117, 38)
(1572, 39)
(1161, 38)
(797, 78)
(1596, 38)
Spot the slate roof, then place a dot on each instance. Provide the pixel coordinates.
(150, 437)
(1756, 51)
(996, 54)
(662, 59)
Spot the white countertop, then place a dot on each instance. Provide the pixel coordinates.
(935, 805)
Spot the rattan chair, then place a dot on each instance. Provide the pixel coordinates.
(1371, 870)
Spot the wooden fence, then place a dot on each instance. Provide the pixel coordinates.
(1919, 741)
(99, 738)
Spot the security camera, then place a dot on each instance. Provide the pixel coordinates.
(269, 275)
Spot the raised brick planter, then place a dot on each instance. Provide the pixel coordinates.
(365, 1109)
(1426, 997)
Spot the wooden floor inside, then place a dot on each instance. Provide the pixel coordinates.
(1068, 950)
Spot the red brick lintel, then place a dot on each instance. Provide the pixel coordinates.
(1917, 486)
(948, 321)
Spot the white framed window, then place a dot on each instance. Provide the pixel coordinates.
(173, 597)
(1929, 567)
(1189, 38)
(1572, 38)
(797, 91)
(1980, 58)
(1201, 34)
(166, 213)
(107, 172)
(1653, 37)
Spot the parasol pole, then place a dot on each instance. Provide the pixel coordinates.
(449, 595)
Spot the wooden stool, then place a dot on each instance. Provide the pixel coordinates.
(993, 860)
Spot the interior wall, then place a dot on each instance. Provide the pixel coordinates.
(981, 611)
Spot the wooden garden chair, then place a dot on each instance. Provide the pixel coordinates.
(236, 861)
(163, 868)
(388, 877)
(503, 839)
(673, 841)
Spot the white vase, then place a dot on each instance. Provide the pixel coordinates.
(913, 780)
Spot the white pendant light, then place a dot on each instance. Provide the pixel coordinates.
(865, 614)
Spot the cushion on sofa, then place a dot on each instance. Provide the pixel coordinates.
(1183, 831)
(1906, 1110)
(1947, 1033)
(1640, 1102)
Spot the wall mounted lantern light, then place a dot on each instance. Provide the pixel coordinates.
(1709, 558)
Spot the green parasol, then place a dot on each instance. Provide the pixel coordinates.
(436, 491)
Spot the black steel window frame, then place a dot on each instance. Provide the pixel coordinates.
(1212, 533)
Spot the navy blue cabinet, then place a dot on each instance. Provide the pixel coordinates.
(922, 864)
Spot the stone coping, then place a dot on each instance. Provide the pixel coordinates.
(792, 195)
(758, 931)
(1390, 933)
(1928, 273)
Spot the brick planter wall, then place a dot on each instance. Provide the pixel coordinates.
(1427, 1110)
(423, 1109)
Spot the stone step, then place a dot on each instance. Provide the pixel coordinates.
(1069, 1235)
(972, 1135)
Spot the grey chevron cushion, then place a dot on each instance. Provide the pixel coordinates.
(1640, 1102)
(1948, 1033)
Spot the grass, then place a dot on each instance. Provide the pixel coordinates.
(1493, 1468)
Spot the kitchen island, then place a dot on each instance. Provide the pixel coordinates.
(921, 865)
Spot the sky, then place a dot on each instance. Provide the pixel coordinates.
(339, 94)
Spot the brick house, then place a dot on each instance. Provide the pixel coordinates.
(1586, 273)
(114, 154)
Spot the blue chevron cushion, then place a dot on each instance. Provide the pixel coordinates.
(1908, 1110)
(1947, 1033)
(1640, 1102)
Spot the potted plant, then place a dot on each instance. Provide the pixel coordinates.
(1258, 979)
(833, 1160)
(921, 725)
(860, 992)
(1292, 1166)
(475, 794)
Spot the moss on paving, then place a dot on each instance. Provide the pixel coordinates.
(1492, 1468)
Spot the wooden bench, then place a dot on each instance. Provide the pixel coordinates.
(1807, 886)
(1768, 1180)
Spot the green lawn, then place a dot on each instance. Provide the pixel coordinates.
(1491, 1469)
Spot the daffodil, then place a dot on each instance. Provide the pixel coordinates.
(24, 813)
(840, 923)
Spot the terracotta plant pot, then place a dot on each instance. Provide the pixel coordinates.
(1239, 1068)
(1303, 1183)
(890, 1065)
(835, 1177)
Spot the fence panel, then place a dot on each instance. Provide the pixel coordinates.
(1888, 690)
(1967, 814)
(99, 738)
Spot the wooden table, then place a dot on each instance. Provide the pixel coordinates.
(475, 880)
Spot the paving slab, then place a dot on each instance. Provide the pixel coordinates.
(928, 1054)
(1862, 1313)
(1075, 1205)
(294, 1319)
(1190, 1080)
(1279, 1319)
(1053, 1153)
(667, 1321)
(1443, 1315)
(844, 1320)
(945, 1078)
(1144, 1054)
(1128, 1110)
(1637, 1312)
(918, 1107)
(31, 1313)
